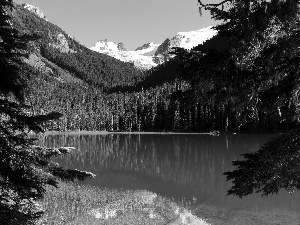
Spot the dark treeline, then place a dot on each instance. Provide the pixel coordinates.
(157, 76)
(169, 107)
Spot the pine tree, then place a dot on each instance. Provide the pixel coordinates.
(25, 169)
(258, 72)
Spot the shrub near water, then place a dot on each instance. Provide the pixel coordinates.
(72, 204)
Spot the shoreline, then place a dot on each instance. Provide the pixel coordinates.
(96, 205)
(84, 132)
(119, 132)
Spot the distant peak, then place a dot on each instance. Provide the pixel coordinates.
(105, 45)
(148, 45)
(186, 40)
(121, 46)
(35, 10)
(150, 54)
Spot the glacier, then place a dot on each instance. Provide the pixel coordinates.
(150, 55)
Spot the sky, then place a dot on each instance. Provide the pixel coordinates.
(132, 22)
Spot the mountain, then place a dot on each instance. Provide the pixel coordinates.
(63, 56)
(142, 57)
(186, 40)
(150, 55)
(107, 65)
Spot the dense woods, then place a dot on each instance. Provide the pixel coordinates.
(157, 76)
(169, 107)
(256, 73)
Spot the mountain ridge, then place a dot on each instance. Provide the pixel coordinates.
(64, 51)
(145, 57)
(150, 54)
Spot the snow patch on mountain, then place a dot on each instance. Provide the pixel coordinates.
(117, 50)
(194, 38)
(186, 40)
(147, 49)
(35, 10)
(105, 46)
(150, 55)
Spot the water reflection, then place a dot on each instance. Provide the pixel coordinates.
(179, 166)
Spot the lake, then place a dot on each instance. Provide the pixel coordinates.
(184, 167)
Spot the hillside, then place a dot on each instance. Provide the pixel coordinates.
(64, 51)
(166, 72)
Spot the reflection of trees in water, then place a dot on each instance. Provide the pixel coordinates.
(184, 165)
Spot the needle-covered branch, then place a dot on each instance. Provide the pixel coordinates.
(275, 166)
(256, 77)
(25, 169)
(71, 175)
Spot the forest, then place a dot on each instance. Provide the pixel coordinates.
(169, 107)
(192, 92)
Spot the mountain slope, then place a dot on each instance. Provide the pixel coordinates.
(68, 54)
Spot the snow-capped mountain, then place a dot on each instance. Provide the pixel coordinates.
(150, 55)
(145, 57)
(142, 57)
(186, 40)
(108, 46)
(191, 39)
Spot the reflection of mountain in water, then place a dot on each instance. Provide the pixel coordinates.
(173, 165)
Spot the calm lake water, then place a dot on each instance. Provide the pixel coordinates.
(186, 167)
